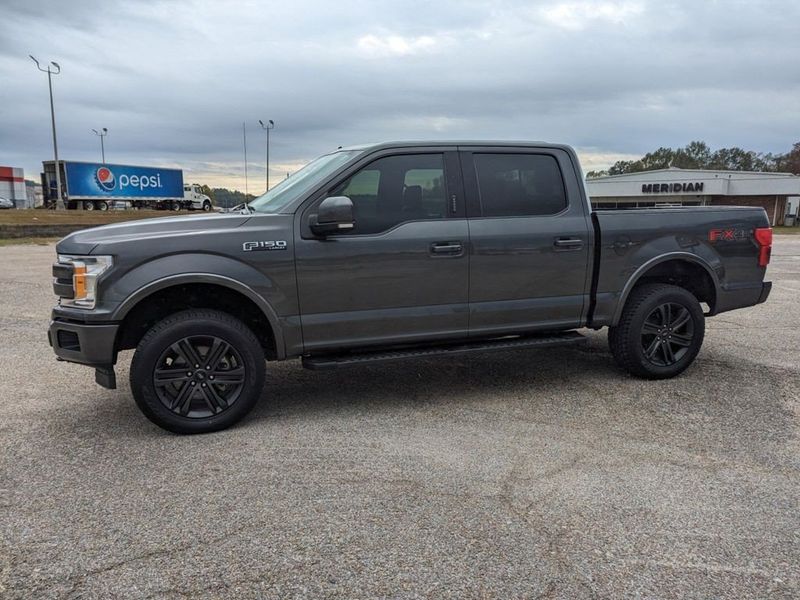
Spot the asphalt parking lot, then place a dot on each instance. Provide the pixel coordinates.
(512, 475)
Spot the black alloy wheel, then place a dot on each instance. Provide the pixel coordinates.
(197, 371)
(660, 331)
(199, 376)
(667, 334)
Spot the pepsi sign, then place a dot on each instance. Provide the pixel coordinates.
(93, 180)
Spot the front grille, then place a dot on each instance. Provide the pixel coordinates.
(68, 340)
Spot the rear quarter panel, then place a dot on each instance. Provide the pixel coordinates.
(633, 241)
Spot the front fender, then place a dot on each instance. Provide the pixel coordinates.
(267, 292)
(221, 280)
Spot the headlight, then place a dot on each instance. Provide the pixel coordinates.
(85, 272)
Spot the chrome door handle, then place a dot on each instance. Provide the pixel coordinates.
(446, 248)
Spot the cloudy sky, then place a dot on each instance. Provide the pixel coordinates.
(174, 80)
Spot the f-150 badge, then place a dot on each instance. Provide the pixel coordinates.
(268, 245)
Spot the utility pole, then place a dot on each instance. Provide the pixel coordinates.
(270, 125)
(102, 133)
(244, 142)
(50, 73)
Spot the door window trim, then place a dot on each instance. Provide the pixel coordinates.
(452, 179)
(472, 189)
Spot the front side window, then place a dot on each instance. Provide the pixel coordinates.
(396, 189)
(518, 185)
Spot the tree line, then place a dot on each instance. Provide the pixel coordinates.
(224, 197)
(697, 155)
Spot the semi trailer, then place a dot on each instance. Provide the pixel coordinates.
(100, 186)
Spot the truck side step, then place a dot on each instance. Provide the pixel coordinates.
(334, 361)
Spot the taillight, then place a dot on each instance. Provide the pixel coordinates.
(764, 239)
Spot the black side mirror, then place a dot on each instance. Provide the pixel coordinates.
(335, 215)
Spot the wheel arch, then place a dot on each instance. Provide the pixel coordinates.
(678, 268)
(231, 288)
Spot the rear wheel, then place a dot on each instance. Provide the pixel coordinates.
(102, 205)
(659, 333)
(88, 205)
(175, 206)
(197, 371)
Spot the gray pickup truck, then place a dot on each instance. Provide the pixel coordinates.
(393, 251)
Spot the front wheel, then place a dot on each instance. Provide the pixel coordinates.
(659, 333)
(197, 371)
(206, 206)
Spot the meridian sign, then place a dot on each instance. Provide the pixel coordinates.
(671, 188)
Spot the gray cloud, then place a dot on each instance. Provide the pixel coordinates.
(174, 80)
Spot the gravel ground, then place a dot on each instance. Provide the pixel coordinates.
(511, 475)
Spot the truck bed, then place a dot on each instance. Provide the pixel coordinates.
(629, 241)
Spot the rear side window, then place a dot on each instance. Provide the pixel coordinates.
(519, 185)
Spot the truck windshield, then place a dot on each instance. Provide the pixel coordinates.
(292, 187)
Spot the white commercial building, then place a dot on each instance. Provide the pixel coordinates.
(12, 186)
(777, 193)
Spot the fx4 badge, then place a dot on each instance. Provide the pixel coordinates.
(728, 235)
(268, 245)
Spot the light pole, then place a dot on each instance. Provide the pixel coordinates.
(50, 73)
(102, 133)
(270, 125)
(244, 143)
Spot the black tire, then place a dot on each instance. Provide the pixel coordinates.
(102, 205)
(206, 206)
(184, 399)
(88, 205)
(176, 206)
(659, 333)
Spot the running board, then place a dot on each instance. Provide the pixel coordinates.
(334, 361)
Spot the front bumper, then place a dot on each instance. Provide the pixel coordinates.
(92, 345)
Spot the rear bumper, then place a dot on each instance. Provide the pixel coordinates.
(85, 344)
(766, 288)
(742, 296)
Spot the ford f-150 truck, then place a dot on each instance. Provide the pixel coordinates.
(393, 251)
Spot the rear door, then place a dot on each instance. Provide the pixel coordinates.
(529, 240)
(402, 274)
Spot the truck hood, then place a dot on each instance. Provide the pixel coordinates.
(85, 241)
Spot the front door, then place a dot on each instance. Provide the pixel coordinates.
(401, 274)
(530, 240)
